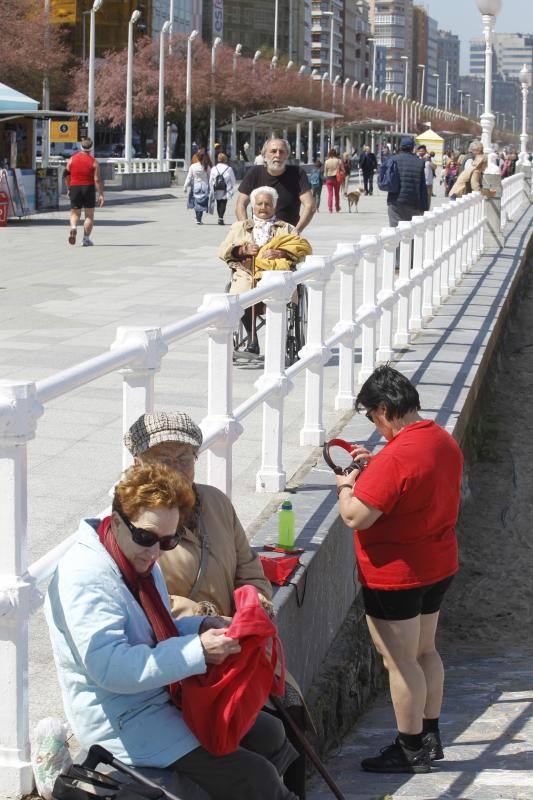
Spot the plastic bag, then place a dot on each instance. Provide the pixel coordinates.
(50, 754)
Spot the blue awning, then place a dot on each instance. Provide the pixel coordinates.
(11, 100)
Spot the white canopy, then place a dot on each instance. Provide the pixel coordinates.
(11, 100)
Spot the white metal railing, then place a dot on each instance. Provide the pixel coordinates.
(435, 250)
(139, 165)
(514, 192)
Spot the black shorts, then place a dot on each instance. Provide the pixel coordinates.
(82, 196)
(405, 603)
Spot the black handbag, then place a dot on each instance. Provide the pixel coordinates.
(83, 782)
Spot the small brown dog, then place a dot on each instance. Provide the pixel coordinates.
(353, 199)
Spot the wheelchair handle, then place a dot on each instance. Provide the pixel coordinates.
(348, 446)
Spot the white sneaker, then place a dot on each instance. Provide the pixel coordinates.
(86, 242)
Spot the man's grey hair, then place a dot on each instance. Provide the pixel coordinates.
(276, 139)
(264, 190)
(475, 144)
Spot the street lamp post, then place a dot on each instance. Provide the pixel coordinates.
(333, 96)
(469, 103)
(489, 10)
(460, 92)
(276, 19)
(344, 87)
(423, 68)
(166, 29)
(129, 91)
(90, 100)
(525, 80)
(236, 53)
(188, 100)
(324, 78)
(446, 106)
(373, 40)
(437, 76)
(404, 119)
(212, 121)
(273, 62)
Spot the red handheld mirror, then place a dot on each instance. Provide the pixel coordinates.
(348, 446)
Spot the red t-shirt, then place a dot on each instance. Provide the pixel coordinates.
(82, 170)
(416, 482)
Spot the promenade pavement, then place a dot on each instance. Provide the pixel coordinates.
(150, 265)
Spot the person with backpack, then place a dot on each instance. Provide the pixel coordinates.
(402, 177)
(316, 179)
(197, 186)
(221, 185)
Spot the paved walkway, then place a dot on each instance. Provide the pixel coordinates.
(487, 730)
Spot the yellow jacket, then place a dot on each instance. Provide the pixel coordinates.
(297, 247)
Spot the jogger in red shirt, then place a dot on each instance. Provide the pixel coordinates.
(404, 508)
(83, 180)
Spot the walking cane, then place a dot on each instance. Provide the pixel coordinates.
(99, 755)
(308, 749)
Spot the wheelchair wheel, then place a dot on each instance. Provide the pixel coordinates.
(296, 326)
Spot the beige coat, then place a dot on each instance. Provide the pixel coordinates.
(241, 233)
(470, 180)
(231, 561)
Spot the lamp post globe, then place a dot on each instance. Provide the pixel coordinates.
(489, 7)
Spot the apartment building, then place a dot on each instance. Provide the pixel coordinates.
(511, 52)
(357, 50)
(448, 56)
(425, 56)
(392, 26)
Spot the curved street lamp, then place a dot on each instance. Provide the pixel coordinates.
(165, 30)
(129, 91)
(236, 54)
(212, 121)
(188, 100)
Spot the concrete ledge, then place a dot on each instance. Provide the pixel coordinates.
(142, 180)
(448, 362)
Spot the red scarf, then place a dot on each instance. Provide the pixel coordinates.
(145, 591)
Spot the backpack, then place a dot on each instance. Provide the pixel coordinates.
(314, 178)
(220, 184)
(388, 176)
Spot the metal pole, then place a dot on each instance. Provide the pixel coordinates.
(90, 99)
(161, 101)
(212, 120)
(373, 68)
(236, 54)
(310, 142)
(290, 29)
(299, 141)
(171, 20)
(188, 101)
(487, 118)
(447, 84)
(129, 92)
(423, 81)
(332, 21)
(438, 89)
(276, 16)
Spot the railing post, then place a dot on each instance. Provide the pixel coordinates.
(428, 265)
(460, 259)
(403, 284)
(19, 411)
(469, 219)
(271, 476)
(445, 252)
(437, 257)
(453, 252)
(389, 238)
(351, 254)
(138, 378)
(417, 273)
(313, 430)
(220, 391)
(476, 227)
(368, 312)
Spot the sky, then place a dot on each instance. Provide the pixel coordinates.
(463, 18)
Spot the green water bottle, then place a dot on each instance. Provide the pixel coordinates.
(286, 526)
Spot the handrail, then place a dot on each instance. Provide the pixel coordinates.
(435, 251)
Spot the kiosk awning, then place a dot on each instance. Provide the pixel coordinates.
(279, 118)
(16, 102)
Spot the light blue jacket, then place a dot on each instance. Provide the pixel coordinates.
(111, 671)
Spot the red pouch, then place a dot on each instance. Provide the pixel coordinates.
(221, 706)
(278, 568)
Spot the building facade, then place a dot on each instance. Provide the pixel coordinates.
(327, 40)
(392, 27)
(448, 57)
(424, 56)
(357, 50)
(187, 15)
(511, 51)
(251, 24)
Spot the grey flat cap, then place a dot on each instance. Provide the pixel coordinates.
(163, 426)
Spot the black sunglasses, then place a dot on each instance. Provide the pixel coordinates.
(368, 415)
(148, 538)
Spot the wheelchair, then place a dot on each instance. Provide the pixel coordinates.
(296, 330)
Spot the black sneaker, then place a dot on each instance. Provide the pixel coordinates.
(433, 745)
(396, 758)
(253, 347)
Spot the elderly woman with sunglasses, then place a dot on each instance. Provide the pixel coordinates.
(120, 655)
(214, 557)
(403, 506)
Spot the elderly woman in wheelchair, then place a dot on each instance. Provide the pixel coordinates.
(254, 246)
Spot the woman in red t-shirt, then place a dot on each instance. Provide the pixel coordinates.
(403, 508)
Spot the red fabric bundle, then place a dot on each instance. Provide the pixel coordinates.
(278, 569)
(221, 706)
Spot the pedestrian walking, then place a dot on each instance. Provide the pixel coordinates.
(411, 198)
(83, 178)
(451, 173)
(334, 174)
(429, 175)
(403, 506)
(197, 186)
(368, 165)
(316, 179)
(221, 185)
(295, 203)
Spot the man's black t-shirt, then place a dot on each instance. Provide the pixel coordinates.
(289, 186)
